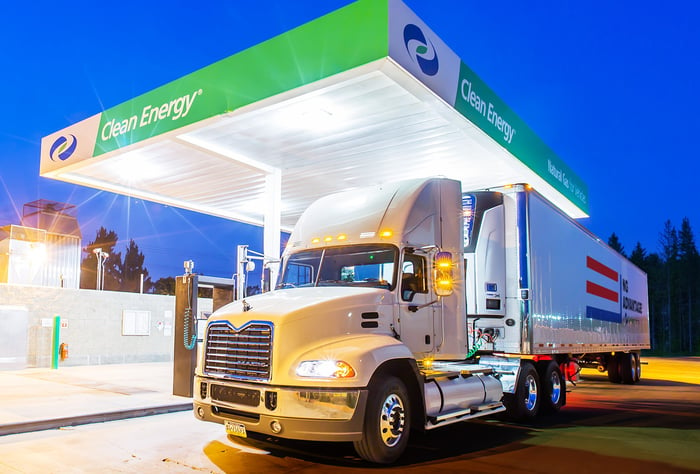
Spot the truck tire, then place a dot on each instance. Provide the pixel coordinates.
(613, 368)
(387, 422)
(553, 386)
(524, 404)
(629, 367)
(638, 372)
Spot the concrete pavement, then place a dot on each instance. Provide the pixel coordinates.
(40, 399)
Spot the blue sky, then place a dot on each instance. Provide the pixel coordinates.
(609, 86)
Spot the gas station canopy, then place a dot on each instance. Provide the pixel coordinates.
(364, 95)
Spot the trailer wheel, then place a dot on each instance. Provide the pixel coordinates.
(553, 386)
(613, 367)
(387, 422)
(524, 404)
(629, 367)
(638, 372)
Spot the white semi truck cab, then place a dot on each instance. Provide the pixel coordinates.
(410, 306)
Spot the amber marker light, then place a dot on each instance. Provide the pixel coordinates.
(343, 370)
(444, 279)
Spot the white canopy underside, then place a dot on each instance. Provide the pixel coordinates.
(366, 126)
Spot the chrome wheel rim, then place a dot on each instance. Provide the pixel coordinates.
(392, 422)
(555, 382)
(531, 397)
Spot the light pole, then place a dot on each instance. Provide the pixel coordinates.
(101, 258)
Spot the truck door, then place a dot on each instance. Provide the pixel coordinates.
(416, 304)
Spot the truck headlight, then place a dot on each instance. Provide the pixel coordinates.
(325, 369)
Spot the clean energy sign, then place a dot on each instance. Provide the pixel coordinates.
(419, 50)
(150, 116)
(362, 32)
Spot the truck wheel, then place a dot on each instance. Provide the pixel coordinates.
(387, 422)
(553, 386)
(638, 372)
(629, 367)
(613, 366)
(524, 404)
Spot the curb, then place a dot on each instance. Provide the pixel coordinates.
(41, 425)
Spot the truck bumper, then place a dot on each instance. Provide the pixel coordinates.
(302, 413)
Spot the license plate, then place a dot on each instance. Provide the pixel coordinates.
(236, 429)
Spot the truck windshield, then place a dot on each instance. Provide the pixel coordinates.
(352, 265)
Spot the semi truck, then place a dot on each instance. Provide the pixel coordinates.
(414, 305)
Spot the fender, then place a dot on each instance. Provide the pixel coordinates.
(365, 353)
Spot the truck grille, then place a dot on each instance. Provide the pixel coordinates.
(243, 353)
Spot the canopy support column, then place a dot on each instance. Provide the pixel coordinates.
(272, 221)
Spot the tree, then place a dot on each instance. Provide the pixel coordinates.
(164, 286)
(615, 244)
(673, 277)
(105, 240)
(688, 265)
(668, 239)
(131, 270)
(119, 275)
(638, 255)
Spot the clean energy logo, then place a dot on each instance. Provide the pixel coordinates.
(420, 49)
(604, 295)
(63, 148)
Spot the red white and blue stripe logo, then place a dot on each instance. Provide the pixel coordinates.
(603, 286)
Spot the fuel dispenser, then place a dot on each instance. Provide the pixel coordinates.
(186, 333)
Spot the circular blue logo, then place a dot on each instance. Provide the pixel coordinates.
(63, 148)
(420, 49)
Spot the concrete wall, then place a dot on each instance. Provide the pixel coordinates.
(91, 325)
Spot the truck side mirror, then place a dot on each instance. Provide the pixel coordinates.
(444, 278)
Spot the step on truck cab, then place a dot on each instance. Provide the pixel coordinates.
(401, 307)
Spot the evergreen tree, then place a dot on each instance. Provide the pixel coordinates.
(668, 239)
(105, 240)
(131, 270)
(673, 277)
(615, 244)
(688, 263)
(654, 266)
(638, 255)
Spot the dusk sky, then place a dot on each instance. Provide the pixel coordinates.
(609, 86)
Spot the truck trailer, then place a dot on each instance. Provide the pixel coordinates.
(413, 305)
